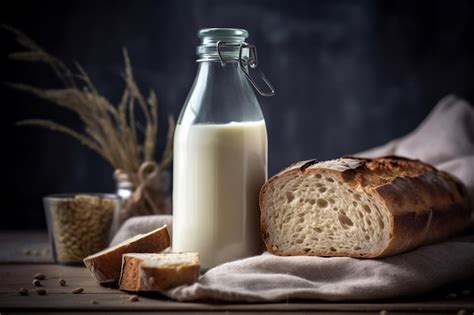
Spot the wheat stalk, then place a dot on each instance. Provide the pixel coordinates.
(51, 125)
(168, 152)
(111, 131)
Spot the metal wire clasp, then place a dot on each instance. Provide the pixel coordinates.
(246, 63)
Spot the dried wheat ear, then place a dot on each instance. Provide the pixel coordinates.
(320, 210)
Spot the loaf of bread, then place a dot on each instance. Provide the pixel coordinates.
(158, 272)
(106, 265)
(360, 207)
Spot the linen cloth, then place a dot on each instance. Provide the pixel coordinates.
(140, 225)
(445, 139)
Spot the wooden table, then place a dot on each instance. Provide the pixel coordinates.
(98, 299)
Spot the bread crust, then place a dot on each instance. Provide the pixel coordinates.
(424, 204)
(137, 277)
(106, 265)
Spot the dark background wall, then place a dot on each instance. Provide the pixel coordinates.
(349, 75)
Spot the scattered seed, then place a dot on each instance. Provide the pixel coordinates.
(34, 252)
(451, 296)
(36, 283)
(462, 312)
(41, 291)
(62, 282)
(39, 276)
(466, 292)
(77, 290)
(133, 298)
(23, 291)
(94, 302)
(383, 312)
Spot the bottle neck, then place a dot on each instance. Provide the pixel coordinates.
(223, 83)
(220, 94)
(245, 57)
(220, 75)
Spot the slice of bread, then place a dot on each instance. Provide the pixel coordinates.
(105, 265)
(360, 207)
(158, 272)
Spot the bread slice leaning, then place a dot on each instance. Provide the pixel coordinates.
(105, 265)
(360, 207)
(158, 272)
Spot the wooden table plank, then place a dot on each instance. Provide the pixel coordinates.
(20, 276)
(241, 313)
(25, 247)
(61, 299)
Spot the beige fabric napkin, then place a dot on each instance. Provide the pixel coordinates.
(445, 139)
(140, 225)
(269, 278)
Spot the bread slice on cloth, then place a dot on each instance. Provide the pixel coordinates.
(360, 207)
(158, 272)
(105, 265)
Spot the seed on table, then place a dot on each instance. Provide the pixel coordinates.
(133, 298)
(39, 276)
(36, 283)
(383, 312)
(451, 296)
(41, 291)
(62, 282)
(94, 302)
(77, 290)
(23, 291)
(466, 292)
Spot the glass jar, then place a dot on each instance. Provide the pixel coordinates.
(220, 153)
(79, 225)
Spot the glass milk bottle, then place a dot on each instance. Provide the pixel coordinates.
(220, 153)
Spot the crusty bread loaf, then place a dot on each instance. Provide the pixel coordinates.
(158, 272)
(360, 207)
(105, 265)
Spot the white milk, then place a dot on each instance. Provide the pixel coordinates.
(218, 172)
